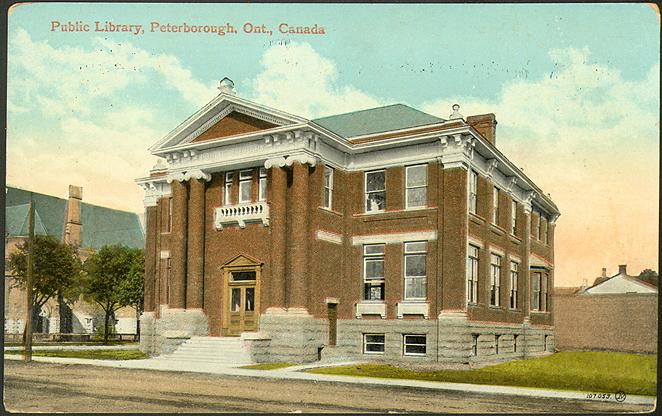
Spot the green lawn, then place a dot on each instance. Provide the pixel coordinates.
(268, 366)
(600, 372)
(91, 354)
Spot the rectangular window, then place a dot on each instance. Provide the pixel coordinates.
(262, 185)
(496, 344)
(472, 274)
(515, 343)
(495, 281)
(373, 272)
(227, 196)
(375, 196)
(474, 345)
(544, 232)
(328, 187)
(416, 183)
(473, 188)
(513, 217)
(414, 344)
(169, 221)
(245, 185)
(538, 225)
(495, 205)
(415, 274)
(514, 277)
(535, 291)
(543, 293)
(373, 343)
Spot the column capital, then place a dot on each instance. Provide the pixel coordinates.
(277, 162)
(197, 174)
(301, 158)
(178, 176)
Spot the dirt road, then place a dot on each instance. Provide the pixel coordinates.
(41, 387)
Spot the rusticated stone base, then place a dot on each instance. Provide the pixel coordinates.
(164, 334)
(288, 335)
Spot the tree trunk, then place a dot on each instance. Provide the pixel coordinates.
(105, 327)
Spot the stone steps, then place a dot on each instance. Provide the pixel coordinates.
(230, 351)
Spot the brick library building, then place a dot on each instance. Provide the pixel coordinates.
(385, 234)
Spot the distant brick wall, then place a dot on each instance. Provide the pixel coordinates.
(626, 322)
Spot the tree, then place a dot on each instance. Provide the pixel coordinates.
(56, 269)
(650, 276)
(115, 276)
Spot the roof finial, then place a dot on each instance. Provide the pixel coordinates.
(226, 86)
(456, 114)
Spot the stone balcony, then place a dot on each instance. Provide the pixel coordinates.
(241, 214)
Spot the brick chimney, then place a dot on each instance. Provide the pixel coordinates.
(604, 272)
(485, 124)
(72, 227)
(622, 269)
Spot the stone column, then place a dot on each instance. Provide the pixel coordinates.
(150, 259)
(178, 243)
(196, 244)
(277, 197)
(297, 233)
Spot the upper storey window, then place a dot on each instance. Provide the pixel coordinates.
(375, 196)
(262, 185)
(245, 185)
(227, 200)
(373, 272)
(513, 217)
(328, 187)
(416, 186)
(495, 205)
(473, 187)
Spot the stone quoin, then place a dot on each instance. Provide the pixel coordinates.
(386, 234)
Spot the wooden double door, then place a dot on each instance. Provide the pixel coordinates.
(241, 297)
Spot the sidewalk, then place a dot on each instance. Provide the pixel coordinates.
(291, 373)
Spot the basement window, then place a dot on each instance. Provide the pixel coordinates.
(373, 343)
(414, 345)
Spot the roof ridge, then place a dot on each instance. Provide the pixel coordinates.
(364, 110)
(112, 209)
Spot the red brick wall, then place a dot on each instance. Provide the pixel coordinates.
(624, 322)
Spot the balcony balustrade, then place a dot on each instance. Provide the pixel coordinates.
(241, 214)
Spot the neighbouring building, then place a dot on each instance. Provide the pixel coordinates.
(616, 313)
(378, 234)
(72, 221)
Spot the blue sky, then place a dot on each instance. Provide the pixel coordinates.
(575, 88)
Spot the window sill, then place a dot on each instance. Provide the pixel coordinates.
(166, 232)
(514, 238)
(475, 218)
(497, 230)
(330, 211)
(541, 312)
(496, 308)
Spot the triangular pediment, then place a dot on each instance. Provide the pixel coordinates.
(242, 260)
(223, 117)
(233, 124)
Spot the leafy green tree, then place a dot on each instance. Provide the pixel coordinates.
(114, 279)
(56, 269)
(650, 276)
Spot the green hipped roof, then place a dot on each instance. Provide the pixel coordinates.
(376, 120)
(100, 225)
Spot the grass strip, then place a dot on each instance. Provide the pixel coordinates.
(88, 354)
(599, 372)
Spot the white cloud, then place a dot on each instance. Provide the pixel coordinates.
(297, 79)
(68, 140)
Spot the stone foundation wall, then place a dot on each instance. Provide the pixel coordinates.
(289, 336)
(174, 326)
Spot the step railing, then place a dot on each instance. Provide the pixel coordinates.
(241, 214)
